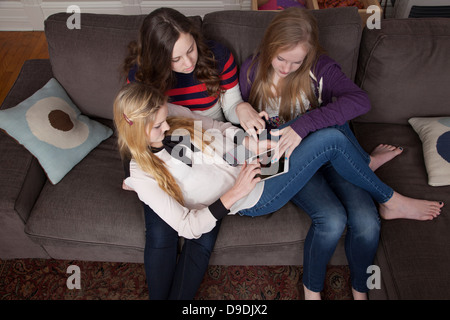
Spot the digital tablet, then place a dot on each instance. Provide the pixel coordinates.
(238, 155)
(269, 169)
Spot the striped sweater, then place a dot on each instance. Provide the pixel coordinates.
(189, 92)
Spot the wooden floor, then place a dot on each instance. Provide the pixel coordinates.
(15, 48)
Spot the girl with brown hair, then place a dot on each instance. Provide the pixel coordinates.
(172, 55)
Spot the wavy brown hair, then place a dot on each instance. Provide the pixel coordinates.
(288, 28)
(152, 53)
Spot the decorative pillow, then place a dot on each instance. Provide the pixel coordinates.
(52, 128)
(435, 136)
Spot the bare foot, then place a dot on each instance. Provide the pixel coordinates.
(382, 154)
(311, 295)
(401, 207)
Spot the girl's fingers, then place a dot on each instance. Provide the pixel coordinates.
(264, 114)
(260, 122)
(256, 125)
(288, 152)
(252, 133)
(277, 132)
(251, 174)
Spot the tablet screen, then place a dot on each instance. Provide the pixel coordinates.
(269, 169)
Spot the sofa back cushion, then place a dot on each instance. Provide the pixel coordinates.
(87, 61)
(405, 68)
(241, 31)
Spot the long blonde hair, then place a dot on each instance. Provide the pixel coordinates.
(135, 109)
(289, 28)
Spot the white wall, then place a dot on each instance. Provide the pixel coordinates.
(28, 15)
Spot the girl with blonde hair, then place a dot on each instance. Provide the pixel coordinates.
(303, 90)
(200, 76)
(192, 195)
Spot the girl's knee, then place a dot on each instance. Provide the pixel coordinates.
(330, 132)
(331, 225)
(328, 136)
(337, 224)
(202, 247)
(207, 241)
(367, 230)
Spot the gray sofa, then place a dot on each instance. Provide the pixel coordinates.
(87, 216)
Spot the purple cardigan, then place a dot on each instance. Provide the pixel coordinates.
(350, 101)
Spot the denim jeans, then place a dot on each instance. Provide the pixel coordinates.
(340, 204)
(345, 129)
(328, 145)
(335, 196)
(169, 276)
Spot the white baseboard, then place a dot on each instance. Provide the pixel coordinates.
(29, 15)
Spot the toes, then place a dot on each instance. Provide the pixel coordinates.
(388, 147)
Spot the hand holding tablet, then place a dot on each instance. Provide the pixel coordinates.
(269, 166)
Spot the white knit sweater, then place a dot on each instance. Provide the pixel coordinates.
(202, 184)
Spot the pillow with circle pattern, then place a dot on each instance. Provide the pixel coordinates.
(435, 136)
(52, 128)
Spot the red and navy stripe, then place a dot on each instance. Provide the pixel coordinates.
(191, 93)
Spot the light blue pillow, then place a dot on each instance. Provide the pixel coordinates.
(52, 128)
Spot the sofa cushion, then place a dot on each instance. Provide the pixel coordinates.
(51, 127)
(242, 31)
(404, 67)
(435, 136)
(92, 75)
(89, 206)
(273, 239)
(413, 255)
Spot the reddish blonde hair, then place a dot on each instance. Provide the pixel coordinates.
(289, 28)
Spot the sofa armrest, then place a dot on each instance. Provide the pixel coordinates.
(21, 176)
(33, 76)
(404, 69)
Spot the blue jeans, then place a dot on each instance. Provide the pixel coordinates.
(340, 204)
(338, 195)
(328, 145)
(169, 276)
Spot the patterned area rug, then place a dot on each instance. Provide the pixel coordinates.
(41, 279)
